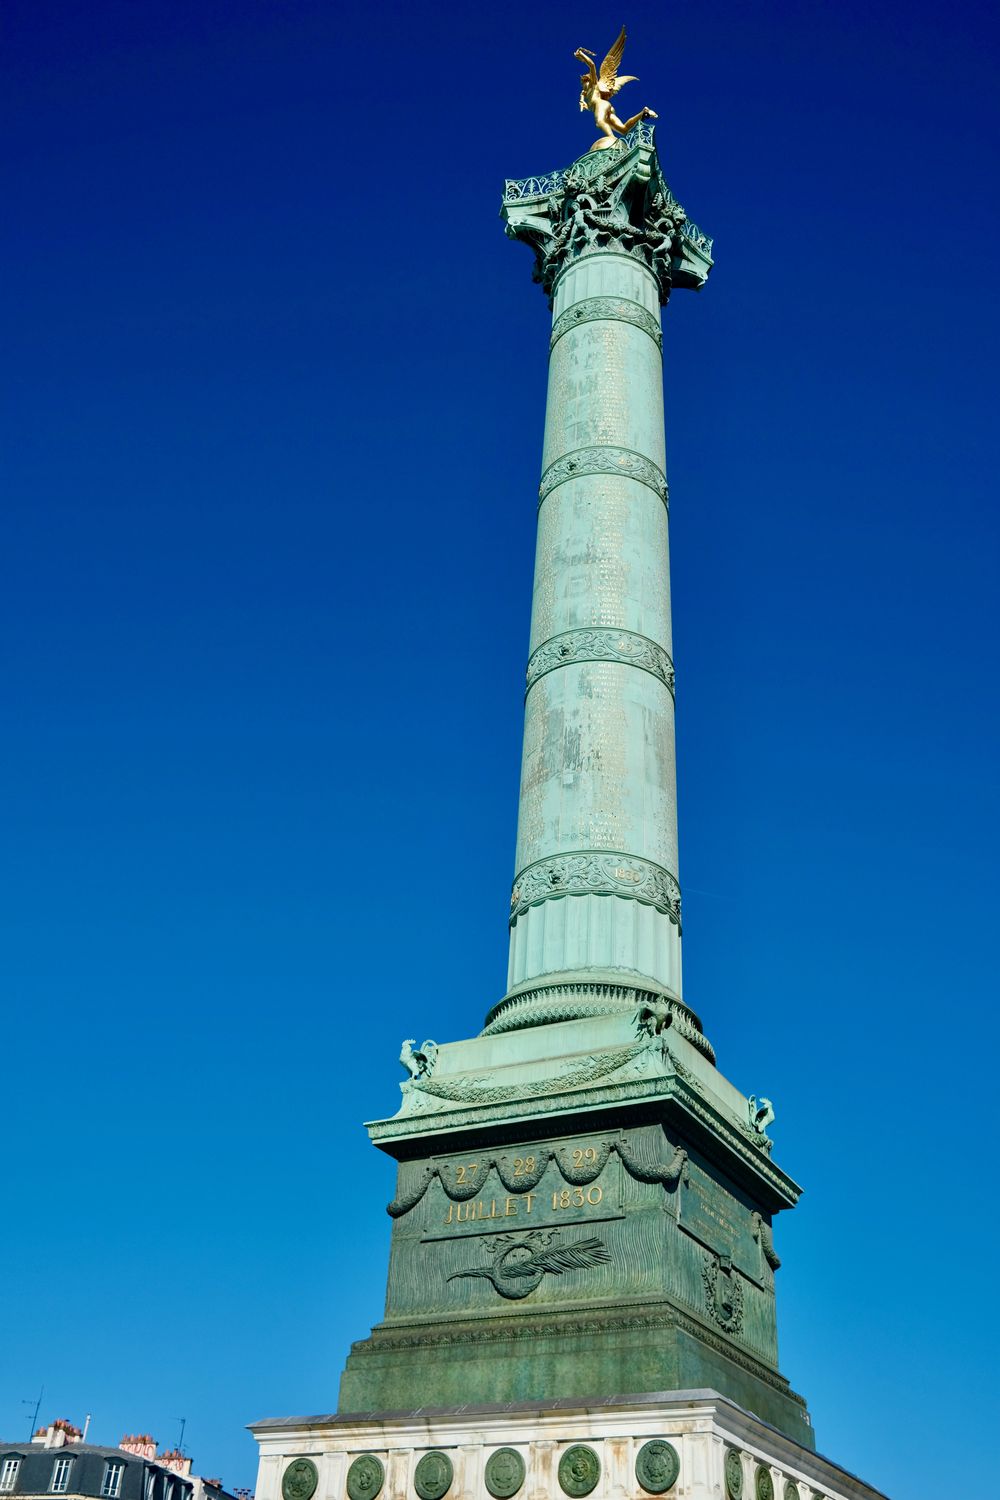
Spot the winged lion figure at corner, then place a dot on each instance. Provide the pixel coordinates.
(598, 90)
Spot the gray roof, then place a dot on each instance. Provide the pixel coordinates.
(67, 1449)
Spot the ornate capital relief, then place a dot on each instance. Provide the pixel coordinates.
(605, 460)
(615, 200)
(609, 310)
(597, 873)
(600, 644)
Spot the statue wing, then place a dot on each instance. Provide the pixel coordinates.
(609, 67)
(559, 1258)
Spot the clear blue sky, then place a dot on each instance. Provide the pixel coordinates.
(275, 388)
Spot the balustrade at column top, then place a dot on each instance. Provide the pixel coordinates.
(613, 200)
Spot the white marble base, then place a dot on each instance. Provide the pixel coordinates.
(702, 1425)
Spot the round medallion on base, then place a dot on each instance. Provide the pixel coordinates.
(763, 1484)
(657, 1466)
(734, 1474)
(365, 1477)
(299, 1480)
(579, 1470)
(433, 1475)
(504, 1473)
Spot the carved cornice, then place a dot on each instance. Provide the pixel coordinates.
(757, 1138)
(576, 1323)
(623, 462)
(598, 873)
(600, 644)
(607, 310)
(643, 1087)
(689, 1094)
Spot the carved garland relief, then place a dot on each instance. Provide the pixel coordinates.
(591, 1165)
(597, 873)
(600, 645)
(606, 309)
(586, 1070)
(605, 459)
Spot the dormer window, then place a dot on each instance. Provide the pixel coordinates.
(112, 1484)
(8, 1475)
(60, 1476)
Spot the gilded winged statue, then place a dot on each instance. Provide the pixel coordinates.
(599, 89)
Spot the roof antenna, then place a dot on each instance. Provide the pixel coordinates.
(180, 1440)
(34, 1417)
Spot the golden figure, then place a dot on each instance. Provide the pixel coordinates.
(599, 89)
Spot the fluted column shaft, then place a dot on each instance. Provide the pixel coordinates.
(596, 882)
(595, 907)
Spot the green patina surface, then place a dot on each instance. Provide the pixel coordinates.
(616, 1239)
(583, 1206)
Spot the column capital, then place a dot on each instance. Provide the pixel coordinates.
(612, 201)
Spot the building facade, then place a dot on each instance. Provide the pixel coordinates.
(56, 1461)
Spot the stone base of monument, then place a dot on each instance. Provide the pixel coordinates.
(580, 1207)
(695, 1444)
